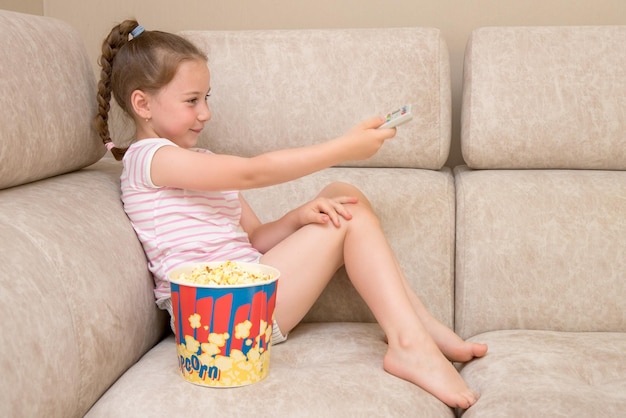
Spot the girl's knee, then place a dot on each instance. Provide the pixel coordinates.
(339, 188)
(361, 210)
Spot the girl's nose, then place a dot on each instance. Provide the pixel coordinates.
(205, 113)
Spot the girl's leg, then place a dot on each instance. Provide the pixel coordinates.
(309, 257)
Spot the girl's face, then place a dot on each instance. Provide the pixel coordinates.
(179, 110)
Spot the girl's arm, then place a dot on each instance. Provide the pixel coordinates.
(181, 168)
(265, 236)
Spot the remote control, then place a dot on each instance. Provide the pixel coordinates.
(397, 117)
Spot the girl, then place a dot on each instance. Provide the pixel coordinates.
(184, 205)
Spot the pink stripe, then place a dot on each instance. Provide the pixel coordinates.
(185, 205)
(186, 238)
(199, 259)
(154, 250)
(155, 253)
(188, 220)
(218, 221)
(229, 211)
(180, 193)
(191, 197)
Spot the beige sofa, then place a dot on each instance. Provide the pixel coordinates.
(539, 254)
(541, 220)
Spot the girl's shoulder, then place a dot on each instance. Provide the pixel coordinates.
(155, 143)
(150, 142)
(144, 149)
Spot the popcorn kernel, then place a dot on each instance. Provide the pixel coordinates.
(228, 273)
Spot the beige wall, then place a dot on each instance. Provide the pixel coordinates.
(456, 19)
(33, 7)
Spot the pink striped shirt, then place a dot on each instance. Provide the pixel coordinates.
(177, 226)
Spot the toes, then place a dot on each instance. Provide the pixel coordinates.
(479, 350)
(468, 399)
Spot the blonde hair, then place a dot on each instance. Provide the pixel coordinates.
(146, 62)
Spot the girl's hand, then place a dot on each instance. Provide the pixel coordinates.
(364, 139)
(318, 211)
(322, 210)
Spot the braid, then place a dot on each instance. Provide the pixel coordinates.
(110, 47)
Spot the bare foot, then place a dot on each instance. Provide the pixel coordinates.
(457, 350)
(454, 347)
(463, 351)
(424, 365)
(451, 345)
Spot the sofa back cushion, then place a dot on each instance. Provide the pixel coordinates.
(274, 89)
(545, 97)
(49, 100)
(540, 249)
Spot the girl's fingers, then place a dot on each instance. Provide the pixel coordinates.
(337, 209)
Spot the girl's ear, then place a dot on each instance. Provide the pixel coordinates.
(141, 104)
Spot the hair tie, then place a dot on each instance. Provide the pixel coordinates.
(109, 145)
(137, 31)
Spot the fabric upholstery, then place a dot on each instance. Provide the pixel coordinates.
(331, 369)
(545, 97)
(548, 373)
(540, 249)
(291, 88)
(46, 124)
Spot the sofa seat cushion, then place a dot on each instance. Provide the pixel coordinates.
(324, 369)
(549, 373)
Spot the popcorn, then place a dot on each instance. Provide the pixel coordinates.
(227, 273)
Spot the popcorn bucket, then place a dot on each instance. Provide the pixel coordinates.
(223, 332)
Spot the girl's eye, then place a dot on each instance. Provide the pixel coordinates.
(207, 96)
